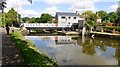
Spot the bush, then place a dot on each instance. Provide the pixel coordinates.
(112, 27)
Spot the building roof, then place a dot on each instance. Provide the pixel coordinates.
(66, 14)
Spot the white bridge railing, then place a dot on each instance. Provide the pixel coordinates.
(46, 25)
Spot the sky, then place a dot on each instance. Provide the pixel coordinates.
(26, 9)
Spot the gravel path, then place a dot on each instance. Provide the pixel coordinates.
(11, 55)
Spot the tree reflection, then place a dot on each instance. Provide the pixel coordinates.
(90, 45)
(88, 48)
(117, 54)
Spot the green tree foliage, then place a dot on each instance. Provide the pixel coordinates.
(37, 20)
(24, 19)
(90, 18)
(118, 12)
(87, 14)
(102, 14)
(11, 17)
(45, 18)
(12, 14)
(32, 20)
(6, 20)
(112, 17)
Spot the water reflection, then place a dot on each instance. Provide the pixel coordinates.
(77, 50)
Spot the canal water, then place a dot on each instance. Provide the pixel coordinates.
(78, 50)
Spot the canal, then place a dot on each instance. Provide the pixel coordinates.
(78, 50)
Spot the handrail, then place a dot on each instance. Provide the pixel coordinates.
(46, 25)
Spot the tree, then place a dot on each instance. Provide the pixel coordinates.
(102, 14)
(32, 20)
(37, 20)
(45, 18)
(24, 19)
(112, 17)
(90, 18)
(118, 13)
(6, 20)
(87, 14)
(14, 16)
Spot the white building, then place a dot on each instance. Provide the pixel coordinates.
(69, 18)
(99, 20)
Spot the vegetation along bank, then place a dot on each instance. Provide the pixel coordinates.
(31, 54)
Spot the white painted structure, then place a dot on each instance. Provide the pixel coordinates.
(60, 39)
(69, 18)
(47, 25)
(99, 20)
(64, 20)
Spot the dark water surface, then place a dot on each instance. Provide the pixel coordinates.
(78, 50)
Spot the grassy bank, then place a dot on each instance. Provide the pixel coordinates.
(31, 54)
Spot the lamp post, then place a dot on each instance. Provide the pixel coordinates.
(2, 6)
(84, 28)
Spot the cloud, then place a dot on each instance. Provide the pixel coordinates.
(83, 6)
(56, 2)
(51, 10)
(113, 8)
(32, 13)
(19, 4)
(75, 5)
(29, 13)
(108, 1)
(16, 4)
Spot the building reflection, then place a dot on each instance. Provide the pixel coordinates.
(60, 40)
(79, 49)
(63, 40)
(89, 45)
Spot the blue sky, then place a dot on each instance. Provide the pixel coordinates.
(52, 6)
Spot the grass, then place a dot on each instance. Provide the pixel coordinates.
(31, 54)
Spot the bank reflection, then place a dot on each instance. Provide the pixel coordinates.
(77, 50)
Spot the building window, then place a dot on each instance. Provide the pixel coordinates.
(74, 17)
(63, 17)
(69, 17)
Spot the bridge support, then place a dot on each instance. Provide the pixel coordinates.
(83, 30)
(29, 30)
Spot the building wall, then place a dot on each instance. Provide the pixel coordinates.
(99, 20)
(68, 20)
